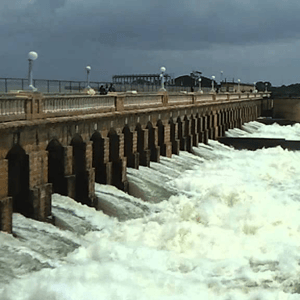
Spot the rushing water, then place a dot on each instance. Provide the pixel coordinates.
(221, 224)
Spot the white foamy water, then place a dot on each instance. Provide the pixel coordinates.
(228, 227)
(259, 130)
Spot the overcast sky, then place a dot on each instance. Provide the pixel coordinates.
(254, 40)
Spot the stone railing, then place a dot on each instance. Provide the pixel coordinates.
(66, 105)
(180, 98)
(12, 108)
(37, 106)
(132, 101)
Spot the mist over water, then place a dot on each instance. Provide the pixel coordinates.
(220, 224)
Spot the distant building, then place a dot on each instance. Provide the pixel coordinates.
(140, 79)
(234, 86)
(187, 80)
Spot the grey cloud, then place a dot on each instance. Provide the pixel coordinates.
(169, 24)
(175, 25)
(135, 35)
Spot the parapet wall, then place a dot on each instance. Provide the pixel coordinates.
(287, 108)
(65, 144)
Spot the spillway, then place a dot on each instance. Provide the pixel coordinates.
(217, 224)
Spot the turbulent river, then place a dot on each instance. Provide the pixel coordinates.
(220, 224)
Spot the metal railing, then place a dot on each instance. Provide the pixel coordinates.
(71, 86)
(148, 88)
(47, 86)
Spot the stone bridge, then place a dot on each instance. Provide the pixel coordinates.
(65, 143)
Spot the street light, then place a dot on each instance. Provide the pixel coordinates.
(200, 90)
(31, 57)
(88, 69)
(212, 83)
(266, 87)
(254, 87)
(221, 77)
(239, 80)
(163, 70)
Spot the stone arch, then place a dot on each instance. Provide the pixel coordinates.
(182, 133)
(79, 168)
(114, 145)
(194, 131)
(144, 154)
(98, 158)
(130, 144)
(128, 141)
(154, 155)
(186, 131)
(18, 180)
(56, 167)
(186, 122)
(179, 128)
(161, 137)
(173, 136)
(114, 157)
(140, 138)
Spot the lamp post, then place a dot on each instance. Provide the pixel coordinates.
(200, 90)
(163, 70)
(88, 70)
(254, 87)
(31, 57)
(212, 83)
(266, 87)
(221, 77)
(239, 80)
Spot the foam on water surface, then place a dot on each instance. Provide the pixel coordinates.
(229, 230)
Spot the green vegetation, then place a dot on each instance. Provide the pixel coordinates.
(289, 91)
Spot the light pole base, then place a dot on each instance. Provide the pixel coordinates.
(32, 88)
(162, 90)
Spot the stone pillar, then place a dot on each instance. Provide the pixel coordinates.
(255, 112)
(164, 138)
(194, 132)
(239, 118)
(254, 117)
(246, 114)
(90, 172)
(205, 122)
(6, 203)
(40, 190)
(6, 211)
(200, 129)
(225, 120)
(142, 146)
(215, 125)
(219, 123)
(118, 160)
(107, 165)
(234, 118)
(222, 124)
(132, 155)
(184, 135)
(153, 147)
(230, 118)
(68, 167)
(173, 136)
(102, 165)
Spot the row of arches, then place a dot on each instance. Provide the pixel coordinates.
(108, 155)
